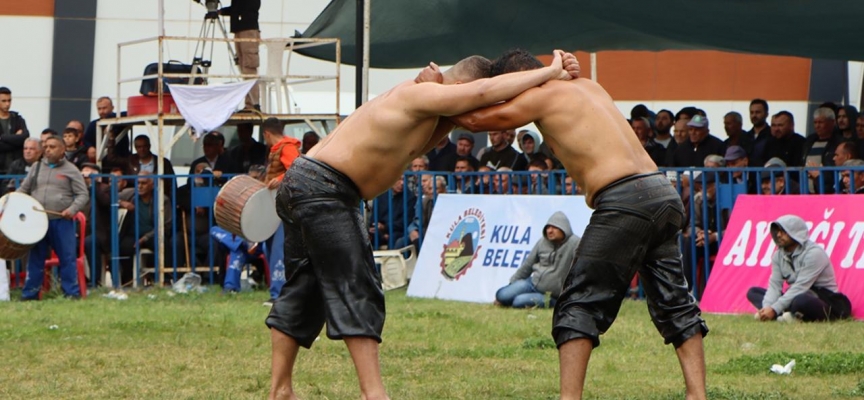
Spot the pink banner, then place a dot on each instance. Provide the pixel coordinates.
(836, 223)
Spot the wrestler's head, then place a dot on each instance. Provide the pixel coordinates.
(515, 60)
(467, 70)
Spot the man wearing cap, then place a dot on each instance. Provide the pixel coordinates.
(785, 143)
(736, 157)
(464, 147)
(774, 178)
(692, 153)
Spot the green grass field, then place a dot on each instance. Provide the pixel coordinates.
(210, 346)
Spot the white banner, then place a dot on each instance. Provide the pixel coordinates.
(475, 243)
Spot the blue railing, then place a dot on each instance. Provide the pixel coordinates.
(189, 212)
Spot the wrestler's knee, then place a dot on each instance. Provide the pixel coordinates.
(698, 328)
(570, 323)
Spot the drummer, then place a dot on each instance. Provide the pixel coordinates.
(283, 151)
(59, 186)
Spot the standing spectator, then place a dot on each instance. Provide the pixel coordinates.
(785, 143)
(13, 132)
(642, 128)
(142, 160)
(244, 25)
(75, 153)
(813, 293)
(464, 147)
(32, 153)
(283, 151)
(819, 150)
(544, 269)
(105, 109)
(443, 156)
(502, 154)
(310, 139)
(760, 133)
(249, 152)
(59, 186)
(663, 128)
(846, 117)
(732, 123)
(693, 152)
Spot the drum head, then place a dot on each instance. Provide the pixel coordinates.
(259, 220)
(20, 222)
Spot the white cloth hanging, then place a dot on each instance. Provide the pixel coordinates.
(207, 107)
(4, 282)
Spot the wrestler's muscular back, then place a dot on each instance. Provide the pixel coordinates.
(376, 143)
(590, 136)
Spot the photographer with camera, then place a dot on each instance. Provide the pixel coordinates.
(244, 25)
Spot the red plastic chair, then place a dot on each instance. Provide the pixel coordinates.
(54, 261)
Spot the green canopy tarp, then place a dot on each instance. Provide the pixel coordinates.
(410, 33)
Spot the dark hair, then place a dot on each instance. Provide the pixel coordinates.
(91, 166)
(470, 160)
(536, 162)
(671, 115)
(688, 111)
(515, 60)
(70, 130)
(145, 138)
(244, 127)
(214, 135)
(787, 114)
(5, 90)
(49, 131)
(762, 102)
(272, 125)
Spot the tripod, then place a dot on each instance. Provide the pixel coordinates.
(208, 31)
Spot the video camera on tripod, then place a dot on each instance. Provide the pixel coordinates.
(212, 5)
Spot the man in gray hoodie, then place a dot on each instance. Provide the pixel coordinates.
(59, 186)
(812, 294)
(545, 268)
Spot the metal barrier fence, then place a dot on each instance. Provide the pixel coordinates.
(397, 217)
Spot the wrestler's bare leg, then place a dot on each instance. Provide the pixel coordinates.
(573, 362)
(364, 352)
(285, 350)
(691, 356)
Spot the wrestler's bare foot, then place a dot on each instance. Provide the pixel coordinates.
(283, 394)
(372, 397)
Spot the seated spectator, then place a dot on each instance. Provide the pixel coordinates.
(853, 180)
(571, 187)
(103, 219)
(736, 157)
(139, 227)
(692, 153)
(813, 293)
(197, 219)
(389, 223)
(544, 269)
(75, 153)
(214, 157)
(426, 202)
(32, 154)
(819, 151)
(501, 181)
(418, 164)
(464, 182)
(642, 128)
(775, 180)
(539, 177)
(528, 143)
(502, 154)
(483, 183)
(714, 161)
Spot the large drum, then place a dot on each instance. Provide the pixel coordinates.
(245, 207)
(22, 225)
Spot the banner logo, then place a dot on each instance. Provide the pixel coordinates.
(463, 243)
